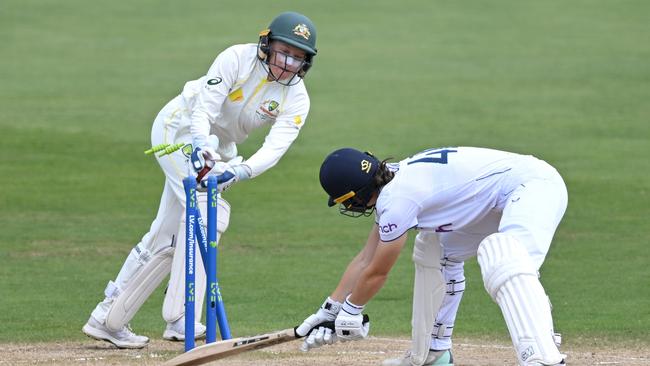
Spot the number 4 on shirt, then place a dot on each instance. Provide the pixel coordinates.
(432, 156)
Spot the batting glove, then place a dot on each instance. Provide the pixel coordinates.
(349, 322)
(319, 335)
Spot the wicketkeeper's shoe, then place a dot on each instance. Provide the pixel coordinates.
(176, 331)
(123, 338)
(435, 358)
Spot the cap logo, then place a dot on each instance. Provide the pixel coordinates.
(302, 30)
(366, 165)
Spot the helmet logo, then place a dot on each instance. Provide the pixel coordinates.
(302, 30)
(366, 165)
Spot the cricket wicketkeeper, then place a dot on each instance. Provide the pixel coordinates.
(248, 86)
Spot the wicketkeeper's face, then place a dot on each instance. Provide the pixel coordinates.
(285, 61)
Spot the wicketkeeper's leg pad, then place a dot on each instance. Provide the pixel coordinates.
(148, 271)
(511, 278)
(174, 303)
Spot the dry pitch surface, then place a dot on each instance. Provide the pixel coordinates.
(368, 352)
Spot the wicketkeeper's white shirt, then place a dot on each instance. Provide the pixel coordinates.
(234, 98)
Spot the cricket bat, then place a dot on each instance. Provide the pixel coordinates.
(222, 349)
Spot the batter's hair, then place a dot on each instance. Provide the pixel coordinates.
(383, 175)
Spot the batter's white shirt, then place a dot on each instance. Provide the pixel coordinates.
(447, 189)
(234, 97)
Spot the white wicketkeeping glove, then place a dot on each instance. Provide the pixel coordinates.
(227, 174)
(349, 322)
(318, 335)
(205, 155)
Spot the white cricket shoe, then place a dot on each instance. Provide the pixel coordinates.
(562, 363)
(175, 331)
(435, 358)
(123, 338)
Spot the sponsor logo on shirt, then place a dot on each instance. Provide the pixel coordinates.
(444, 228)
(215, 81)
(268, 110)
(388, 228)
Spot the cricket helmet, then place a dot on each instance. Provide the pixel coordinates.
(294, 29)
(347, 175)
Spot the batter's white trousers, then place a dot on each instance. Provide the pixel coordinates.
(530, 210)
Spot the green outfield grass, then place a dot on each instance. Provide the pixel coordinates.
(80, 84)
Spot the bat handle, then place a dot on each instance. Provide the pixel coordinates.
(329, 324)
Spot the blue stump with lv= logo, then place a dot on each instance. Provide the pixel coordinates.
(207, 244)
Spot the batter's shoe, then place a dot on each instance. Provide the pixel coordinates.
(175, 331)
(123, 338)
(562, 363)
(435, 358)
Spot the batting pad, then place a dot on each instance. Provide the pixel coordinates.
(428, 293)
(511, 279)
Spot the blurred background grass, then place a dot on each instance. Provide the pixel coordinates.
(82, 81)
